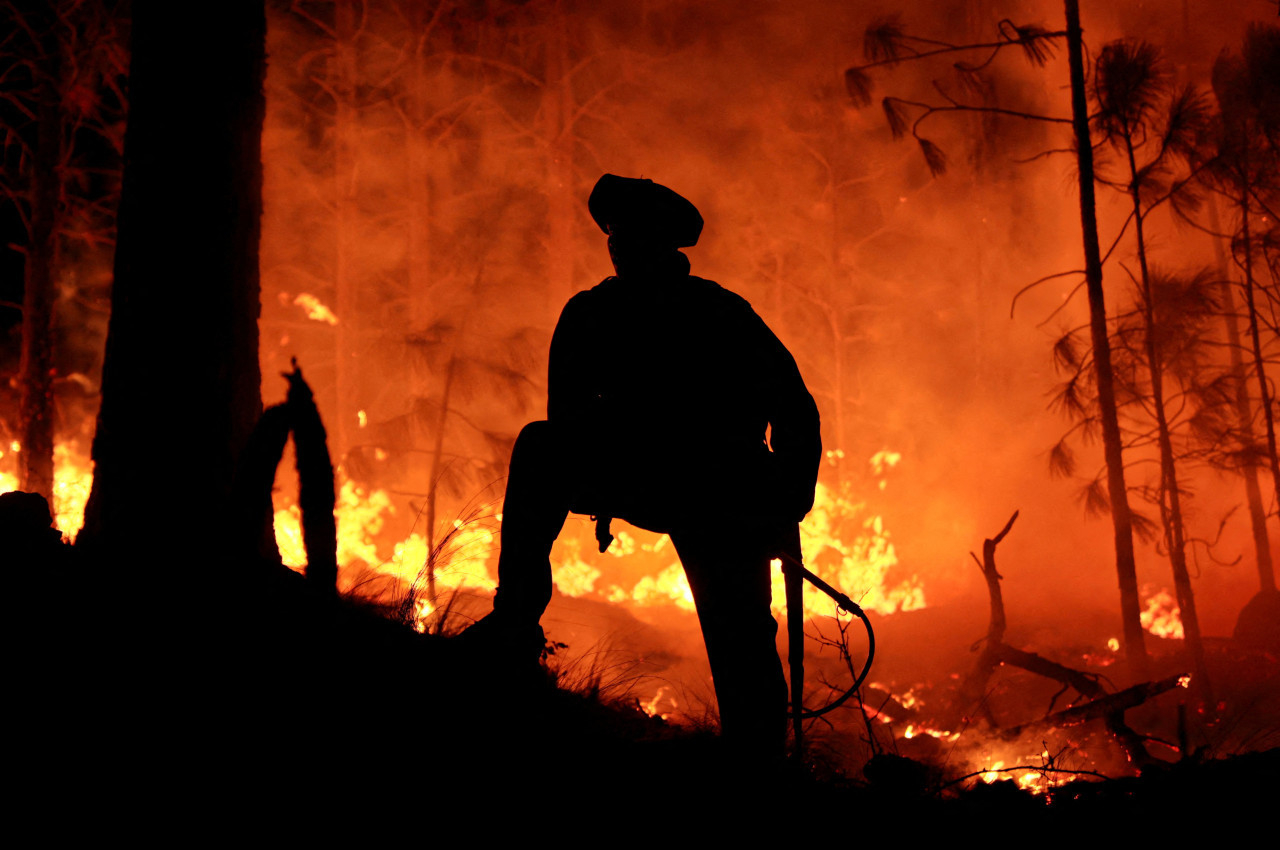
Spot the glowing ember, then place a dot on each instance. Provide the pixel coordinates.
(422, 611)
(881, 462)
(1031, 781)
(1103, 659)
(1034, 773)
(652, 707)
(316, 311)
(914, 730)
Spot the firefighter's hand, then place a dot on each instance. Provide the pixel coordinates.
(789, 493)
(784, 539)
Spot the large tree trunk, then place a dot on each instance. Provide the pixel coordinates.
(1122, 519)
(180, 387)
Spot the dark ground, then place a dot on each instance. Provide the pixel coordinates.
(131, 711)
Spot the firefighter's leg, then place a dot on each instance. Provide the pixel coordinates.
(728, 571)
(533, 512)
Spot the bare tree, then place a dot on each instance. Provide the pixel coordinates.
(1152, 125)
(1243, 167)
(60, 123)
(887, 44)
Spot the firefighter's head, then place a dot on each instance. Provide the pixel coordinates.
(647, 224)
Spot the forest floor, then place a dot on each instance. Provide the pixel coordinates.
(129, 712)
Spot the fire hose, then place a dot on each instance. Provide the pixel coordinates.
(794, 575)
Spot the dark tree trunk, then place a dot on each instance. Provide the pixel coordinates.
(38, 285)
(180, 388)
(1171, 515)
(1122, 519)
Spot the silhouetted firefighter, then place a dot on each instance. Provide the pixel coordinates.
(661, 391)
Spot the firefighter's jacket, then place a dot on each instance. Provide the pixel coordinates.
(665, 391)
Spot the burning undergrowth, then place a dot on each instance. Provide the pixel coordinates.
(622, 628)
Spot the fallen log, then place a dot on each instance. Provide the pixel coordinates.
(1101, 706)
(1105, 707)
(1085, 683)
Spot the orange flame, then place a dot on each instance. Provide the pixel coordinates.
(1162, 617)
(860, 565)
(72, 480)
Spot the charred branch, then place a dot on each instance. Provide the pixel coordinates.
(255, 476)
(316, 496)
(1102, 706)
(1085, 683)
(1109, 707)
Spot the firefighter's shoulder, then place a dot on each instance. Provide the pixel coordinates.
(721, 297)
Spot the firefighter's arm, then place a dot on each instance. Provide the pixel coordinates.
(569, 385)
(795, 432)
